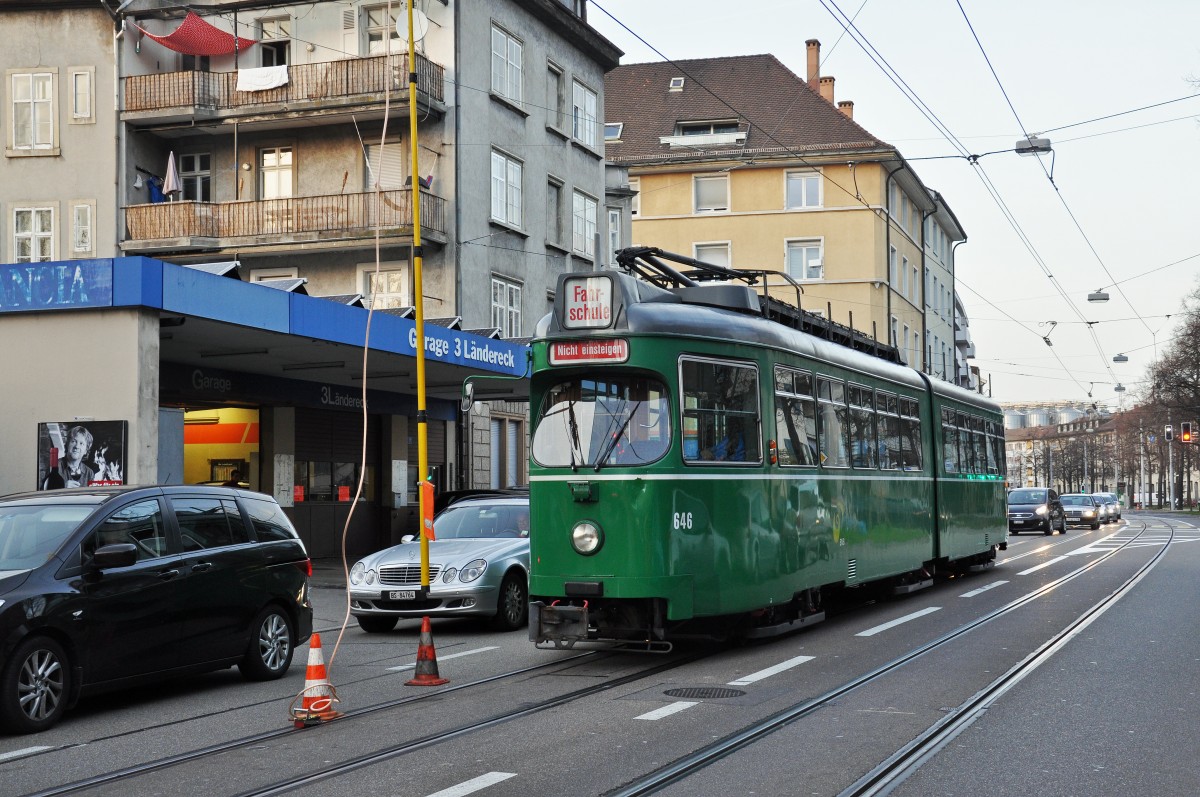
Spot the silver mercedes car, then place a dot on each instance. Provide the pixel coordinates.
(478, 567)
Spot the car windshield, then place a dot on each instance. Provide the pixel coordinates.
(30, 534)
(482, 521)
(593, 423)
(1077, 500)
(1027, 496)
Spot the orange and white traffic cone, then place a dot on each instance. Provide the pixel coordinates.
(427, 669)
(316, 705)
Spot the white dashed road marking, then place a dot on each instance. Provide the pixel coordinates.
(898, 621)
(443, 658)
(746, 680)
(474, 784)
(668, 710)
(982, 590)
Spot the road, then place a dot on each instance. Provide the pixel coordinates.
(1104, 710)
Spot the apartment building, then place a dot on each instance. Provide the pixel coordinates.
(740, 162)
(272, 143)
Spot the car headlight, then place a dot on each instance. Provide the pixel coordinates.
(1041, 510)
(1088, 513)
(449, 575)
(359, 574)
(586, 537)
(472, 570)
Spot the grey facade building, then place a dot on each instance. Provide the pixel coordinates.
(271, 141)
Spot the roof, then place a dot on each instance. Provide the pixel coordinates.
(777, 109)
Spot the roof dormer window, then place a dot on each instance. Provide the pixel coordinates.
(714, 133)
(676, 84)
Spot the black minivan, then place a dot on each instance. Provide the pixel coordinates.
(105, 587)
(1035, 509)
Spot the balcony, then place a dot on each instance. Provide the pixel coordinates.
(295, 222)
(311, 88)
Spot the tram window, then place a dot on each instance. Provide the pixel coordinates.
(910, 435)
(720, 412)
(995, 455)
(795, 418)
(863, 451)
(889, 432)
(618, 421)
(832, 423)
(950, 448)
(979, 443)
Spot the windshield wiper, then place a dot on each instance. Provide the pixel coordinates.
(612, 443)
(574, 435)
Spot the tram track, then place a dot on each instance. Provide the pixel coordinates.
(900, 765)
(128, 775)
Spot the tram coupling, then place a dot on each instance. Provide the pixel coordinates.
(558, 624)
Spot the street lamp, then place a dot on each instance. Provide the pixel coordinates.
(1098, 295)
(1120, 358)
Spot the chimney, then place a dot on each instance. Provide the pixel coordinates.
(827, 89)
(814, 61)
(847, 107)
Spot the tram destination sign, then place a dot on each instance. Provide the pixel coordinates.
(589, 351)
(588, 303)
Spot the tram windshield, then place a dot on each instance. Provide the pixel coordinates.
(592, 423)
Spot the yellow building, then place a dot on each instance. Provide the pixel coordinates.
(739, 162)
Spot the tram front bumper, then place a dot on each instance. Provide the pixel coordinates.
(553, 622)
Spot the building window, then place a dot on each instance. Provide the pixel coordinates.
(612, 131)
(554, 215)
(506, 66)
(274, 44)
(614, 234)
(507, 456)
(914, 285)
(706, 128)
(81, 229)
(583, 115)
(33, 110)
(583, 239)
(715, 253)
(635, 185)
(269, 274)
(803, 190)
(893, 275)
(555, 97)
(711, 194)
(33, 234)
(804, 261)
(195, 172)
(387, 288)
(389, 161)
(506, 307)
(82, 100)
(275, 172)
(506, 189)
(903, 276)
(381, 29)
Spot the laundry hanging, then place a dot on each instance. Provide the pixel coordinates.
(197, 37)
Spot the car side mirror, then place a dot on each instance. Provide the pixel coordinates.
(121, 554)
(407, 538)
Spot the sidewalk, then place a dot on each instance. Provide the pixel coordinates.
(329, 573)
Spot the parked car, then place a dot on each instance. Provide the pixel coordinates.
(1035, 509)
(1112, 503)
(478, 567)
(1084, 510)
(108, 587)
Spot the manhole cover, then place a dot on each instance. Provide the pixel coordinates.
(704, 692)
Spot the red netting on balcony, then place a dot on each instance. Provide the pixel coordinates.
(197, 37)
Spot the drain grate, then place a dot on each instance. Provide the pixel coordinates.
(704, 692)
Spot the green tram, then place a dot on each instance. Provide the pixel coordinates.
(703, 465)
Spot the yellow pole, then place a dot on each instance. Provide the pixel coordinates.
(419, 301)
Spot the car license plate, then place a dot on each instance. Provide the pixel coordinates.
(400, 595)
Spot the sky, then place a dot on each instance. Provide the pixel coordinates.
(1121, 212)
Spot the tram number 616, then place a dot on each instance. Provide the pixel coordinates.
(683, 520)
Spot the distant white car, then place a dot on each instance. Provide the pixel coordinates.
(478, 567)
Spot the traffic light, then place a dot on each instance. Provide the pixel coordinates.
(1185, 432)
(1168, 433)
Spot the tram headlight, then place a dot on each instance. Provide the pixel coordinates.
(587, 537)
(1041, 510)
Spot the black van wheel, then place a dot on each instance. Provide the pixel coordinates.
(269, 653)
(35, 686)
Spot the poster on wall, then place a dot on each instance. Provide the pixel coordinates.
(81, 453)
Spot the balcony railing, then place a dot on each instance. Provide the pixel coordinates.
(324, 217)
(306, 83)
